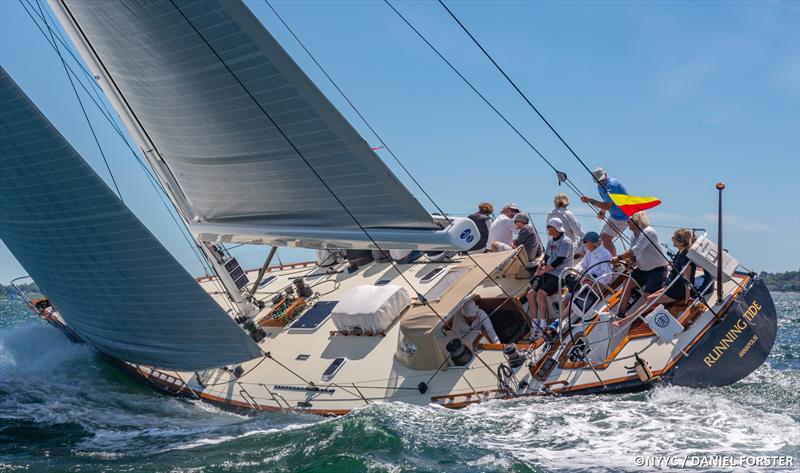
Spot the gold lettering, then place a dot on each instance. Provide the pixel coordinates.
(732, 334)
(747, 346)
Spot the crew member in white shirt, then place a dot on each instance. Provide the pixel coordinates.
(470, 319)
(572, 228)
(501, 233)
(596, 263)
(651, 266)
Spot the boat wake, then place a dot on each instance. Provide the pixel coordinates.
(62, 407)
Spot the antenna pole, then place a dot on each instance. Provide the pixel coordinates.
(720, 251)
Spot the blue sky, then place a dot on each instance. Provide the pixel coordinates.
(670, 97)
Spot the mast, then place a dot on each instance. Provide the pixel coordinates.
(173, 189)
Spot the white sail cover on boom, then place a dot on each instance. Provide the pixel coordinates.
(107, 275)
(227, 110)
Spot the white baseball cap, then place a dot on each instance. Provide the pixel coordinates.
(470, 308)
(511, 206)
(557, 224)
(599, 173)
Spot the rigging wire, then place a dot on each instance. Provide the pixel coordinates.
(562, 177)
(306, 161)
(479, 94)
(215, 281)
(80, 102)
(356, 110)
(374, 132)
(558, 135)
(559, 174)
(518, 90)
(103, 109)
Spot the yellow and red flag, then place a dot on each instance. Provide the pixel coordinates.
(630, 204)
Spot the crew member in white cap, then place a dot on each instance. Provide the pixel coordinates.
(501, 233)
(471, 318)
(617, 221)
(557, 257)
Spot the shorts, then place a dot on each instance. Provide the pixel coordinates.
(678, 290)
(651, 280)
(546, 282)
(614, 227)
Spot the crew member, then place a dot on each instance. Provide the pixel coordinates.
(501, 233)
(557, 257)
(483, 220)
(617, 220)
(572, 228)
(471, 318)
(650, 272)
(527, 237)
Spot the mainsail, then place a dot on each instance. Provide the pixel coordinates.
(108, 276)
(253, 146)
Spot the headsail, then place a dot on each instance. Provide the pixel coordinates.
(108, 276)
(227, 110)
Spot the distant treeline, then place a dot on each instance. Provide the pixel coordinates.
(788, 281)
(7, 292)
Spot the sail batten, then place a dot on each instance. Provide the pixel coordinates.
(111, 280)
(228, 110)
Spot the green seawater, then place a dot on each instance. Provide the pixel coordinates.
(63, 409)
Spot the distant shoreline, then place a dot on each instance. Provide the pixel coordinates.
(788, 281)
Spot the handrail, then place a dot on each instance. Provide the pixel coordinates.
(250, 402)
(21, 293)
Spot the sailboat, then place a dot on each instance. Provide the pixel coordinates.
(250, 151)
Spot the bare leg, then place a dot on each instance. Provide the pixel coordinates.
(608, 243)
(626, 295)
(541, 302)
(532, 308)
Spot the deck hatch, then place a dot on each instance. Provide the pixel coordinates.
(315, 316)
(445, 283)
(428, 277)
(266, 281)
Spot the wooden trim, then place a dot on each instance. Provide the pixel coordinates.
(672, 362)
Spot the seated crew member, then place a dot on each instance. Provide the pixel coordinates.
(471, 318)
(557, 257)
(572, 228)
(483, 220)
(501, 233)
(616, 222)
(651, 266)
(595, 267)
(681, 276)
(527, 237)
(596, 264)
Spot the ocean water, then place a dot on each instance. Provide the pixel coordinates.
(63, 409)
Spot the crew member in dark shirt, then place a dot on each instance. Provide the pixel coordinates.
(483, 220)
(527, 237)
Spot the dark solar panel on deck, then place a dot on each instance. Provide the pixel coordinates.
(315, 316)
